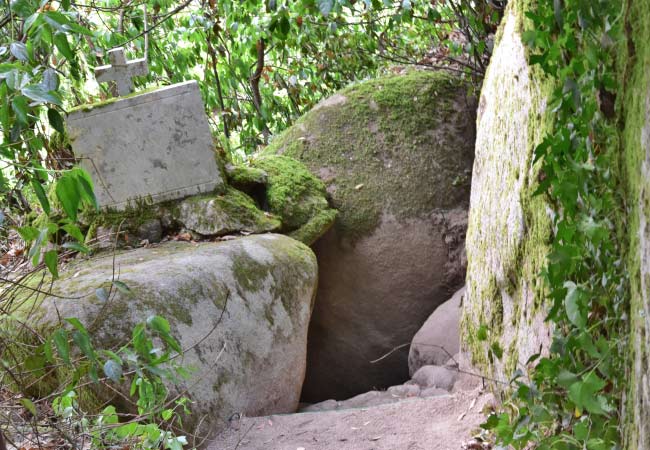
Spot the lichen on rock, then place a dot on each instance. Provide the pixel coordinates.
(509, 227)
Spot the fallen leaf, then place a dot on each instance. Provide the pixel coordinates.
(184, 237)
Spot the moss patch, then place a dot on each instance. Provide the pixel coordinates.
(297, 196)
(91, 106)
(634, 106)
(245, 177)
(509, 227)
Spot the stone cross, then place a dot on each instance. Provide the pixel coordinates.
(121, 71)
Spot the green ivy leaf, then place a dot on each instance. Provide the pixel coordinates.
(82, 340)
(85, 187)
(42, 197)
(67, 192)
(572, 303)
(584, 394)
(55, 119)
(40, 95)
(35, 250)
(21, 108)
(62, 44)
(22, 8)
(74, 231)
(76, 246)
(19, 51)
(109, 416)
(122, 287)
(28, 234)
(76, 323)
(159, 324)
(60, 339)
(29, 406)
(113, 370)
(140, 341)
(325, 6)
(51, 261)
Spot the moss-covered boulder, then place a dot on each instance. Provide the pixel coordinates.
(295, 195)
(241, 307)
(509, 228)
(395, 155)
(244, 177)
(217, 215)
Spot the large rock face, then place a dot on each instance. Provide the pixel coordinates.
(636, 140)
(254, 360)
(509, 228)
(395, 155)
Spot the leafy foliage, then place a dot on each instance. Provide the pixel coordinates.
(260, 64)
(67, 366)
(571, 399)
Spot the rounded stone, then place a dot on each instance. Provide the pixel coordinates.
(435, 377)
(395, 155)
(438, 339)
(240, 308)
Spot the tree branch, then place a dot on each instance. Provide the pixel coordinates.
(255, 87)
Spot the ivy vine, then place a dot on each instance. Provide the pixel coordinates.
(571, 399)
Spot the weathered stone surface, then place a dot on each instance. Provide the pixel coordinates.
(435, 377)
(438, 339)
(509, 227)
(429, 381)
(266, 285)
(636, 143)
(395, 155)
(121, 71)
(150, 231)
(216, 215)
(154, 145)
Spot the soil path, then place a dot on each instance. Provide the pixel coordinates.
(434, 423)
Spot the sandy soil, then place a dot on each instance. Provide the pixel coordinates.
(435, 423)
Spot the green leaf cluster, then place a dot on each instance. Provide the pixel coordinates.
(142, 363)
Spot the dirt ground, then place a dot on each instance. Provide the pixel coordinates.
(434, 423)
